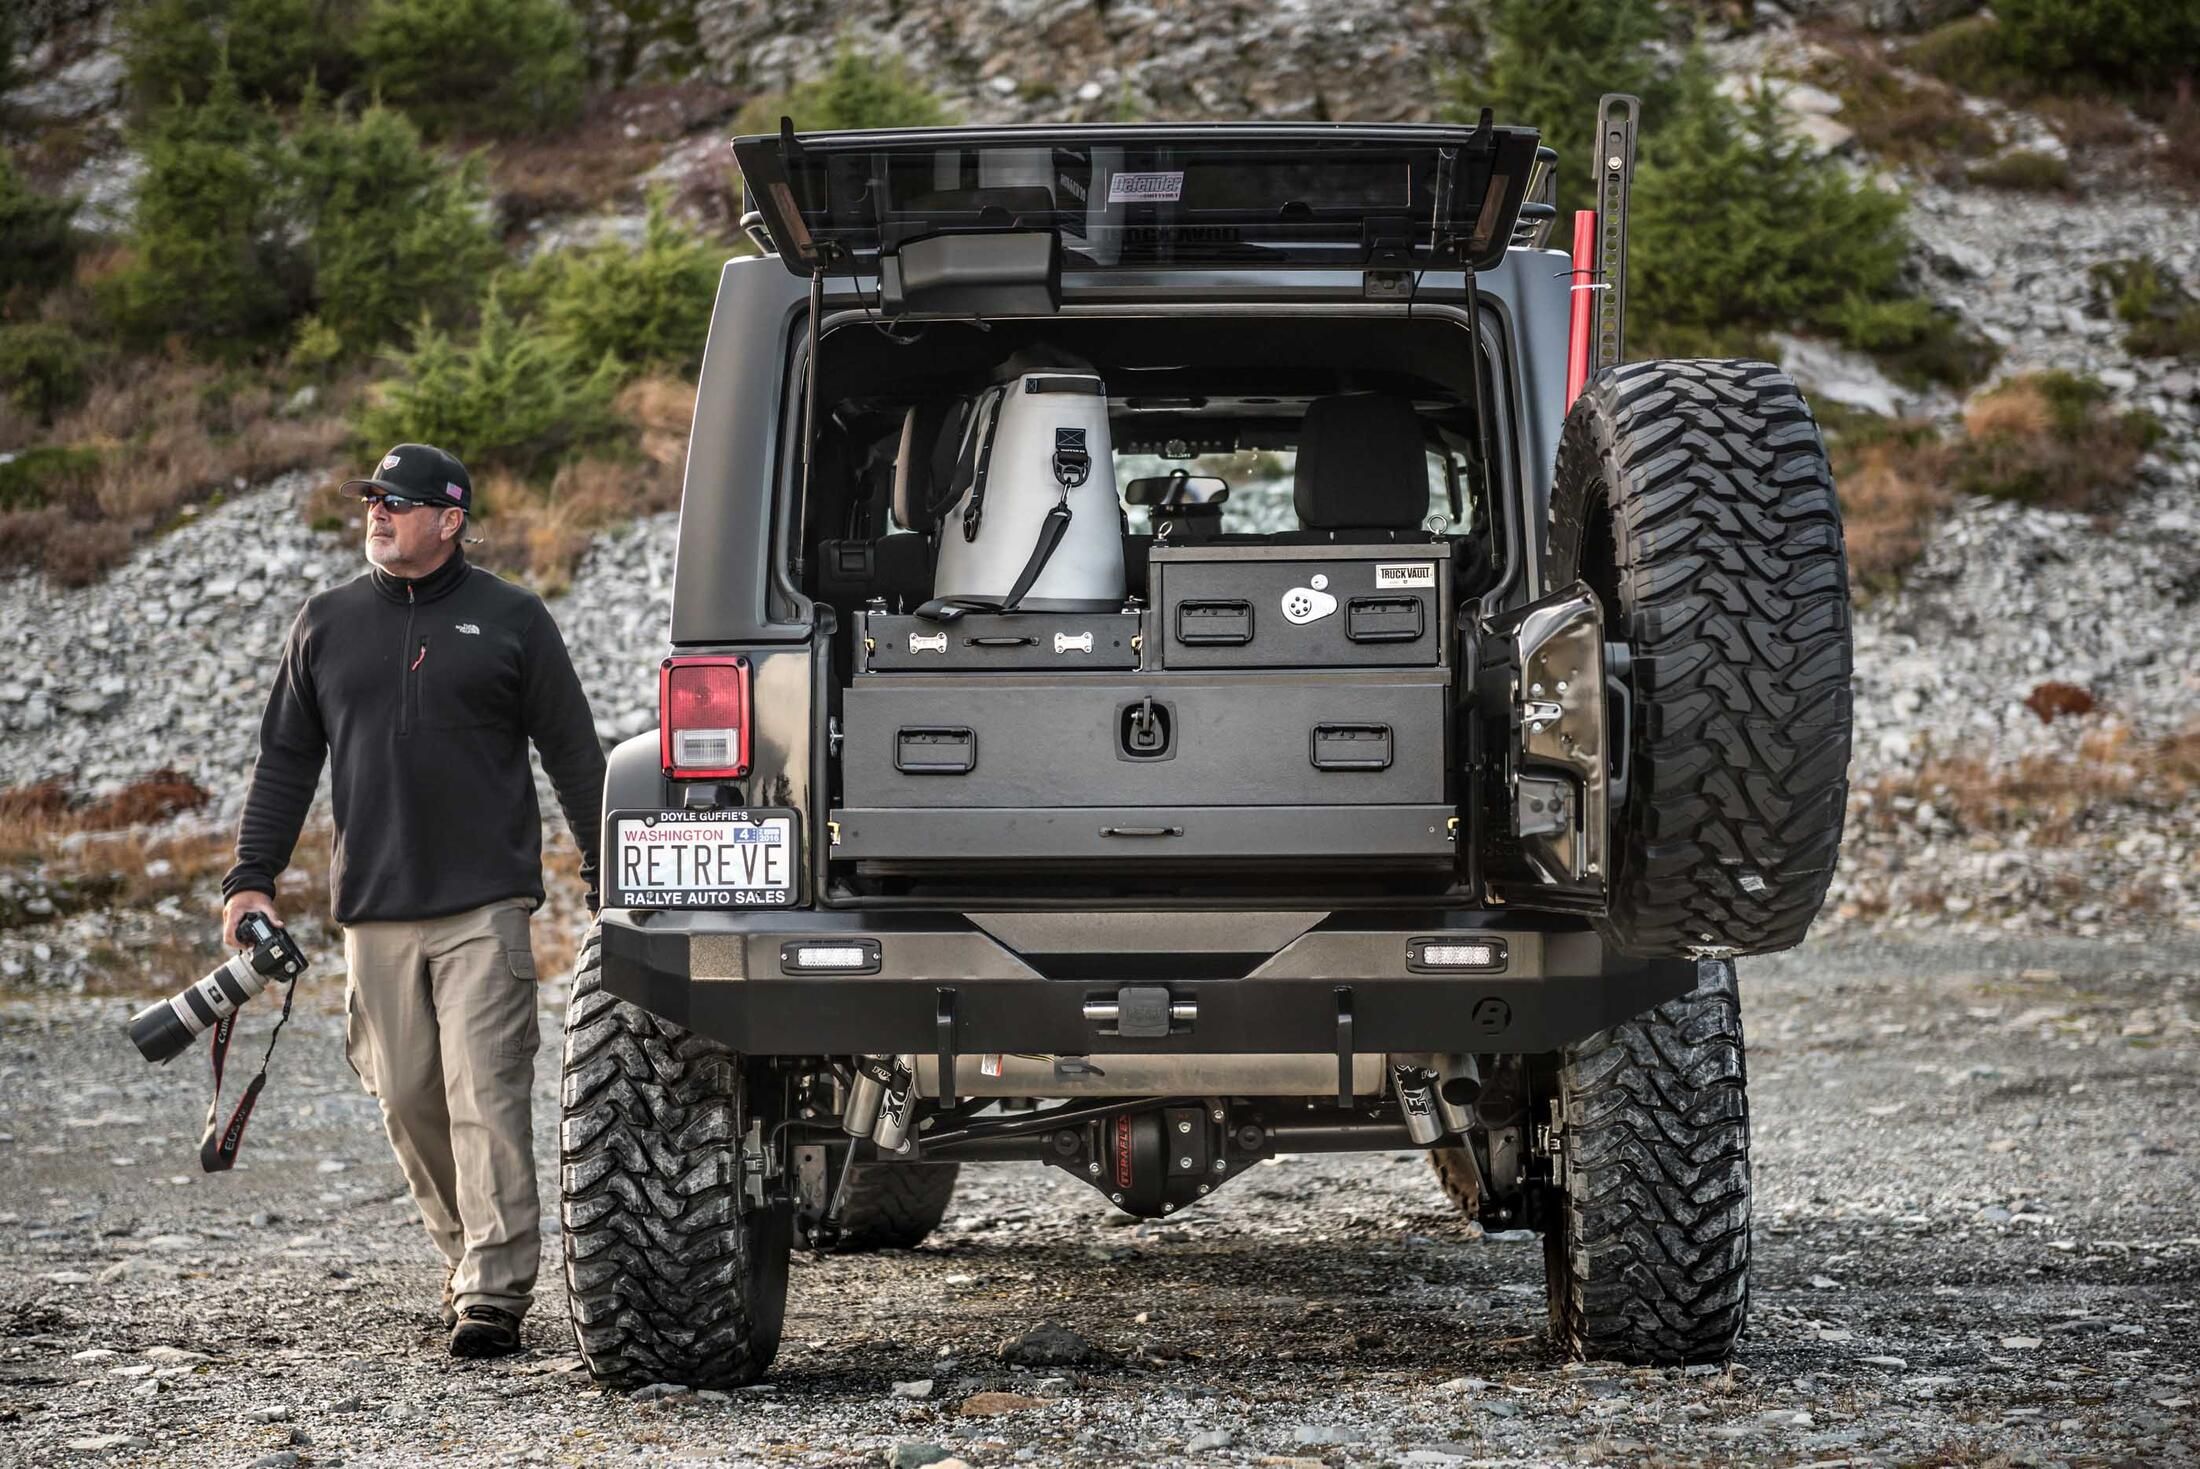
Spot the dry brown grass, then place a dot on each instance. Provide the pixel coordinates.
(166, 432)
(2090, 123)
(2019, 409)
(541, 534)
(2047, 795)
(2053, 440)
(126, 851)
(563, 917)
(1892, 494)
(2180, 153)
(35, 813)
(109, 850)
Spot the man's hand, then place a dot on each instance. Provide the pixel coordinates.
(234, 910)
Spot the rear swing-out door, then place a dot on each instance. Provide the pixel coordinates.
(942, 215)
(1545, 688)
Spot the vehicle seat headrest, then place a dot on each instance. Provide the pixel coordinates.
(1361, 464)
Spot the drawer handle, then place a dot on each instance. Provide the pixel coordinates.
(1226, 624)
(1351, 747)
(1141, 831)
(1384, 620)
(937, 751)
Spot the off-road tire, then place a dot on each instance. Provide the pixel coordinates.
(1696, 500)
(1456, 1174)
(1646, 1256)
(893, 1206)
(674, 1276)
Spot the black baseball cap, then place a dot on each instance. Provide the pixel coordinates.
(418, 472)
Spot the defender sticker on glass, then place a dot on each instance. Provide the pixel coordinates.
(1145, 188)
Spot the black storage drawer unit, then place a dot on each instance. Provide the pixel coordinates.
(1059, 642)
(1323, 606)
(948, 741)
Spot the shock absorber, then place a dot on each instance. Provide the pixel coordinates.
(1416, 1088)
(866, 1095)
(897, 1108)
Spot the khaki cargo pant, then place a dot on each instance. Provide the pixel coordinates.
(439, 1022)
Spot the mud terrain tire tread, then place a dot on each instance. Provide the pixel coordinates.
(1647, 1258)
(673, 1277)
(889, 1206)
(1696, 499)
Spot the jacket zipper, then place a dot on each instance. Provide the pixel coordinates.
(406, 683)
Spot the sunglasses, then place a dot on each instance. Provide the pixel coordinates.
(395, 504)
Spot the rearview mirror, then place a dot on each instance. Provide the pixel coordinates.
(1175, 491)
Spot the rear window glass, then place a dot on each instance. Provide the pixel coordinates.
(1150, 196)
(1259, 501)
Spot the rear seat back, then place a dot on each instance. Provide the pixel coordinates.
(1362, 472)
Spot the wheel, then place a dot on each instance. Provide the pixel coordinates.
(893, 1206)
(1695, 499)
(1646, 1256)
(1456, 1173)
(675, 1275)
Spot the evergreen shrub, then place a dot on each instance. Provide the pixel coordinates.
(37, 245)
(1546, 64)
(44, 367)
(393, 231)
(512, 397)
(858, 91)
(172, 48)
(647, 308)
(476, 66)
(212, 262)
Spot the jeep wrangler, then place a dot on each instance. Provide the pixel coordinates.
(1189, 643)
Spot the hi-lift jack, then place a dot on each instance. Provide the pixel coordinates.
(1595, 339)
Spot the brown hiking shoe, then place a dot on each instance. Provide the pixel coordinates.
(485, 1331)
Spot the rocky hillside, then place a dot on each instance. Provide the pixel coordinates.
(1980, 800)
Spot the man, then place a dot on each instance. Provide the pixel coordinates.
(422, 682)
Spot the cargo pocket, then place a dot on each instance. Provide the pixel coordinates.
(523, 1030)
(352, 1025)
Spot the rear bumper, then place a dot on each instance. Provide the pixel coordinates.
(949, 984)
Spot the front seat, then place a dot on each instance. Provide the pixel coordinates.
(1362, 472)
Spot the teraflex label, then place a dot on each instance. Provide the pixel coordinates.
(1390, 575)
(1145, 188)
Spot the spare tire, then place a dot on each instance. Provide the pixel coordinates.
(1695, 499)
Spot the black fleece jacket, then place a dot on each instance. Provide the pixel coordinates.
(422, 695)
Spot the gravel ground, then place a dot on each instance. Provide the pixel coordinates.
(1978, 1233)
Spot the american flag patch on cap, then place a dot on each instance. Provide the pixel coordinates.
(455, 492)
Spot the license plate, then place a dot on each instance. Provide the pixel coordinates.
(701, 859)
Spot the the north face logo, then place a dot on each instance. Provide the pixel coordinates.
(469, 627)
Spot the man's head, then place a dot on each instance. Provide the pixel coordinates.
(418, 499)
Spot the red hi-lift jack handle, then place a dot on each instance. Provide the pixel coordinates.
(1582, 315)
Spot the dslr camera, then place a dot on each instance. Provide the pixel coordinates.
(164, 1028)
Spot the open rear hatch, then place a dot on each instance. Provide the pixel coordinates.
(1278, 712)
(1048, 200)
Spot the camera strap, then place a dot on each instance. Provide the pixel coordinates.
(218, 1151)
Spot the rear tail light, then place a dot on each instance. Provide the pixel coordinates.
(703, 717)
